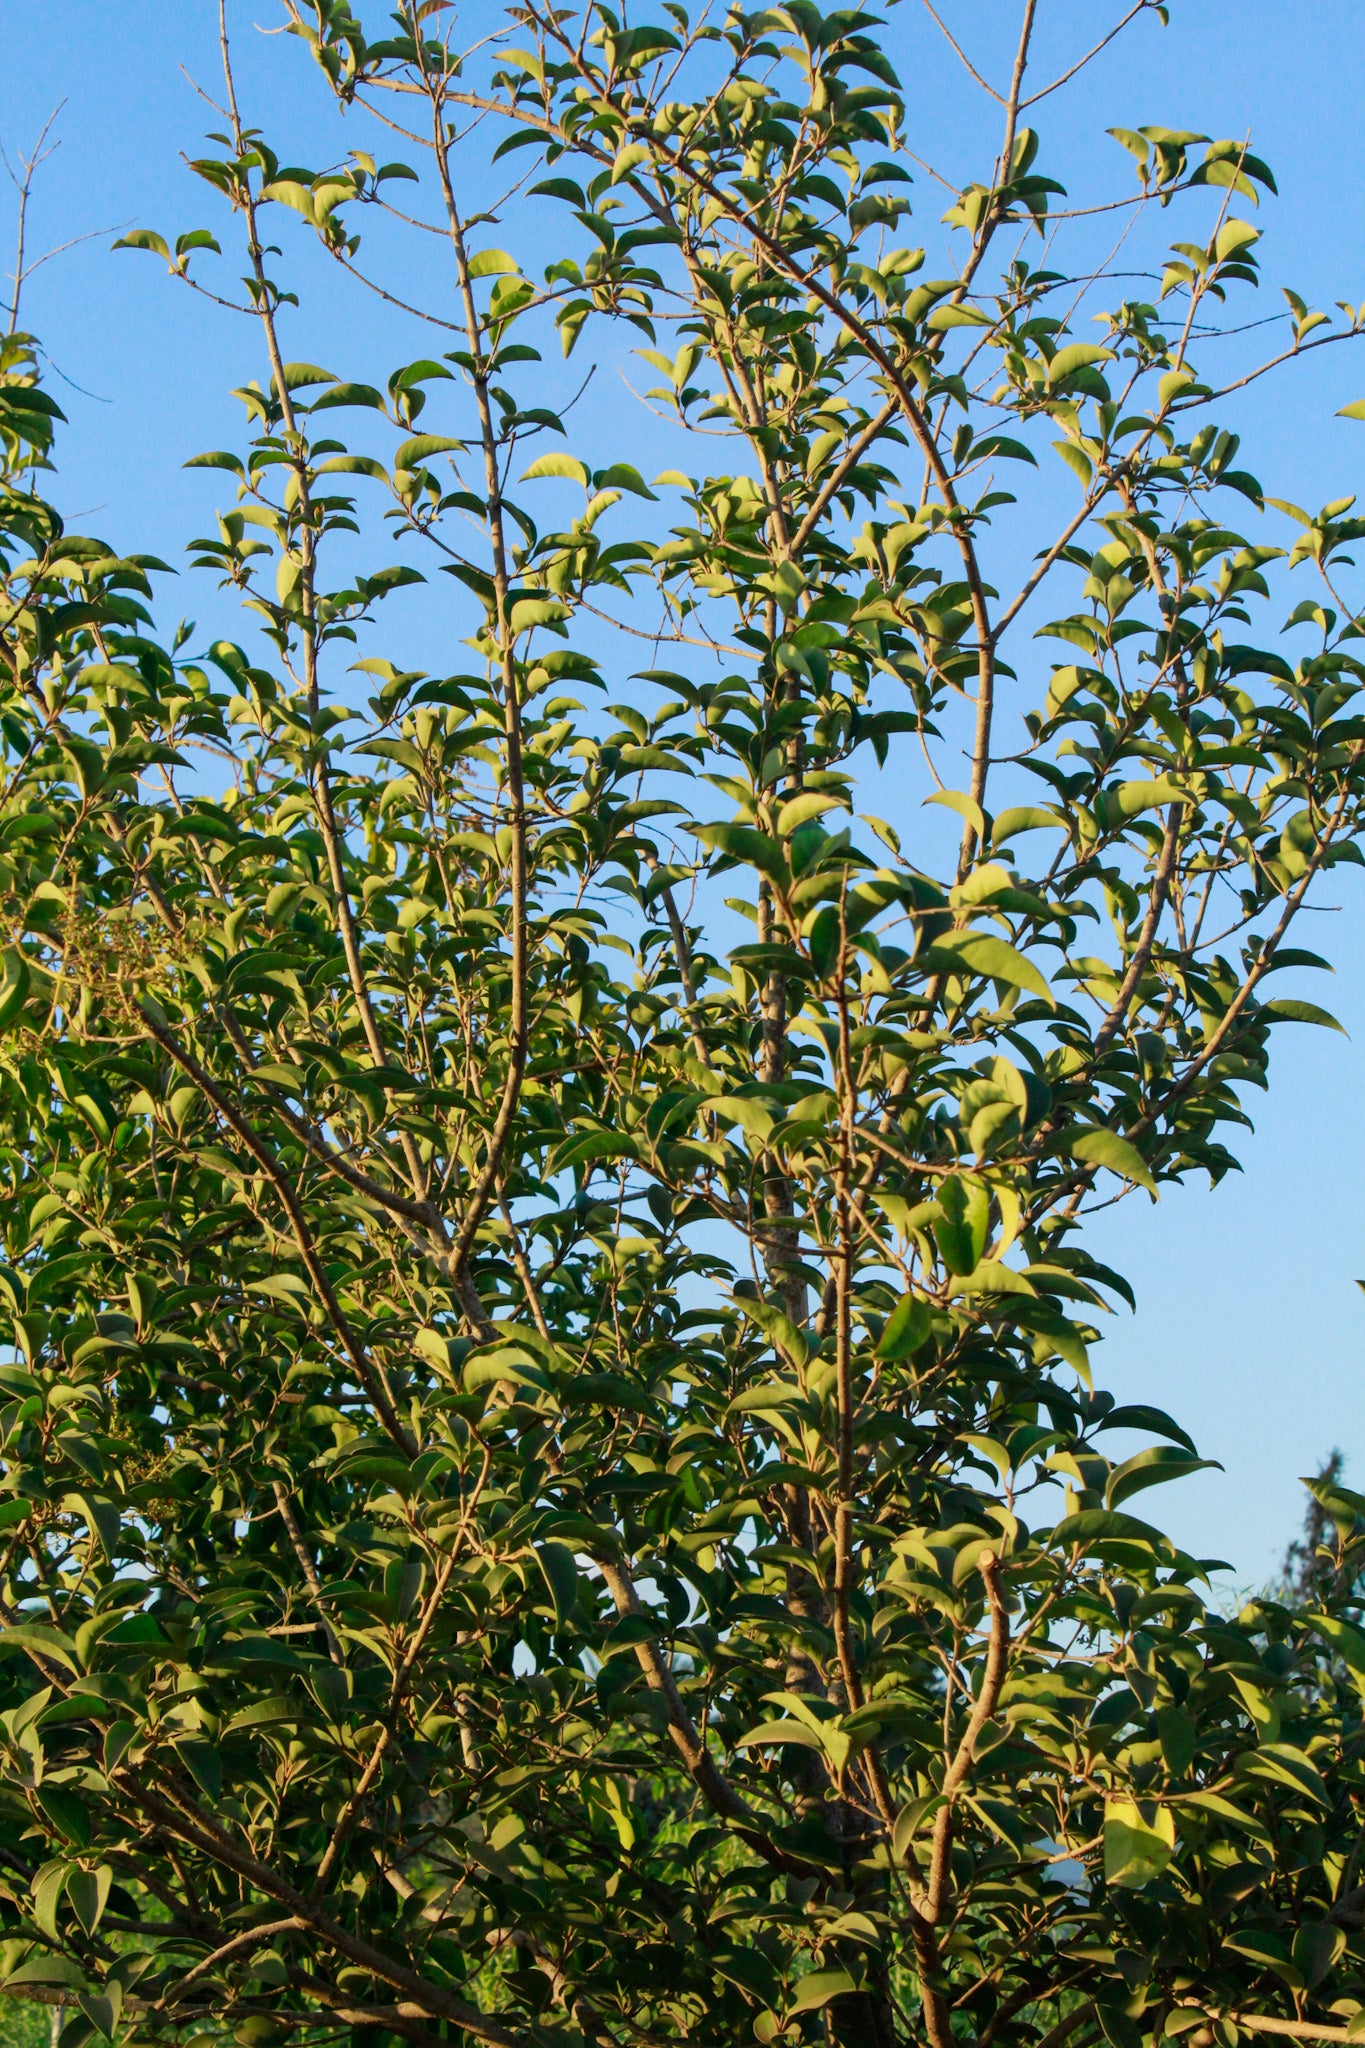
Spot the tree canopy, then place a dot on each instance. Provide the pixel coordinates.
(551, 1482)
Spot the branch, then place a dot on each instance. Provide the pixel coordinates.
(250, 1937)
(518, 1018)
(1296, 2030)
(683, 954)
(293, 1208)
(1055, 2036)
(1065, 77)
(309, 1570)
(178, 1815)
(413, 1211)
(681, 165)
(346, 1819)
(1264, 961)
(958, 51)
(319, 779)
(702, 1767)
(1142, 952)
(993, 1679)
(847, 462)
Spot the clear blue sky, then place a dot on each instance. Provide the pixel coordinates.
(1250, 1327)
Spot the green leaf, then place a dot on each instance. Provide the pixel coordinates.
(562, 188)
(505, 1365)
(778, 1397)
(1152, 1467)
(431, 1345)
(557, 464)
(350, 394)
(1178, 1738)
(529, 612)
(1025, 818)
(623, 476)
(1117, 806)
(421, 447)
(754, 1118)
(48, 1969)
(989, 1276)
(591, 1147)
(965, 806)
(1103, 1525)
(287, 1287)
(1263, 1947)
(771, 1732)
(1135, 1415)
(1316, 1948)
(142, 1629)
(144, 238)
(493, 263)
(799, 810)
(907, 1328)
(945, 317)
(961, 1223)
(1170, 387)
(977, 952)
(1077, 355)
(1282, 1764)
(217, 458)
(1118, 2030)
(14, 990)
(66, 1812)
(560, 1573)
(745, 844)
(1289, 1010)
(291, 192)
(101, 1517)
(995, 446)
(1101, 1147)
(48, 1888)
(48, 1644)
(1226, 1810)
(300, 376)
(204, 1763)
(354, 465)
(818, 1987)
(778, 1327)
(628, 159)
(1076, 460)
(1347, 1641)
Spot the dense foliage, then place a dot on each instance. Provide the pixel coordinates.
(552, 1486)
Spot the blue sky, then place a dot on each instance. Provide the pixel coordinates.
(1250, 1326)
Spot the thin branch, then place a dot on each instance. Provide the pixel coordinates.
(250, 1937)
(309, 1570)
(24, 188)
(958, 50)
(1139, 7)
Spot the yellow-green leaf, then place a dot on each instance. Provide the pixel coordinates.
(1139, 1841)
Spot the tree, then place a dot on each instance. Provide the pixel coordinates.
(1307, 1557)
(552, 1486)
